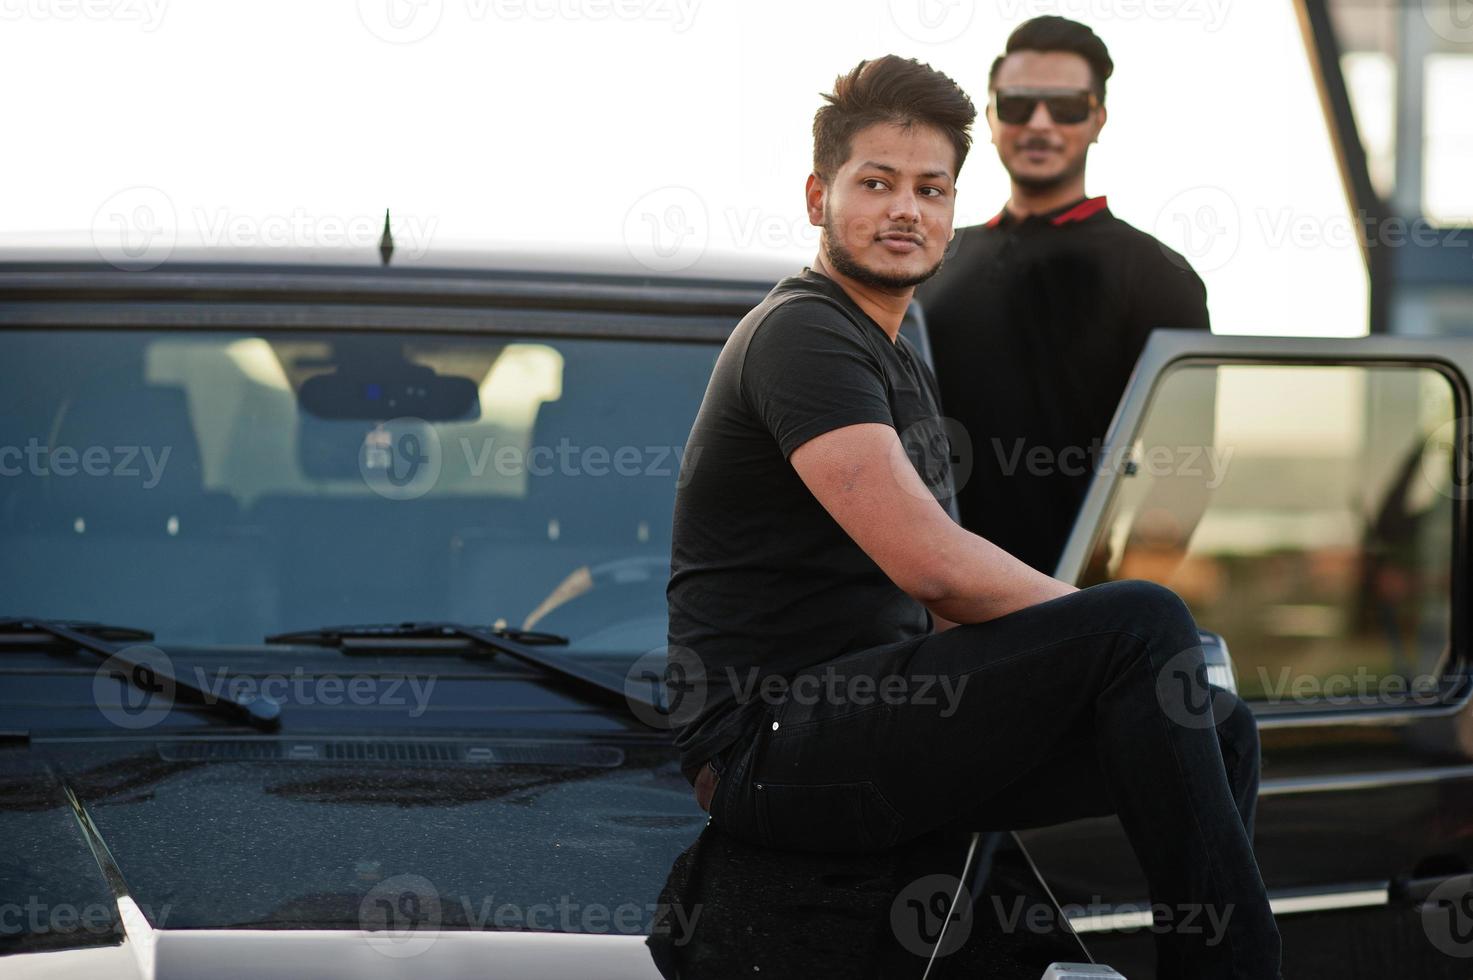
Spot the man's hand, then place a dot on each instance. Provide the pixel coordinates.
(863, 478)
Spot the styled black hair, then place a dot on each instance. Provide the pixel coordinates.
(1059, 34)
(890, 89)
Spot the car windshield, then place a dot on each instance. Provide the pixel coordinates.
(219, 487)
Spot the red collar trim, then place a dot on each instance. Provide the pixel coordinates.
(1080, 211)
(1084, 209)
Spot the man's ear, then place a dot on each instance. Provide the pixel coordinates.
(813, 192)
(1103, 116)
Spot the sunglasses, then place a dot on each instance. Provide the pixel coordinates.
(1015, 106)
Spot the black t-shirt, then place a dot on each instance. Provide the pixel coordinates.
(1035, 325)
(763, 580)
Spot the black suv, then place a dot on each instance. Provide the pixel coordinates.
(334, 617)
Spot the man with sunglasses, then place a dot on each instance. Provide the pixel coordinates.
(1039, 314)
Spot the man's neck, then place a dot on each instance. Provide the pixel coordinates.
(1026, 202)
(885, 308)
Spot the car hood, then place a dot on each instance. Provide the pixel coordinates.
(363, 857)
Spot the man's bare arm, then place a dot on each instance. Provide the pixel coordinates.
(862, 477)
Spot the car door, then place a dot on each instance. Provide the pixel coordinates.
(1308, 498)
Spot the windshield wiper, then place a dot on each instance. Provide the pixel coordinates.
(592, 683)
(94, 637)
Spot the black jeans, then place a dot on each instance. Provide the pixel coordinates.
(1088, 704)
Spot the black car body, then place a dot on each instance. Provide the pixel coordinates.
(184, 797)
(511, 814)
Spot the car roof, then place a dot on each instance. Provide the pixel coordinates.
(79, 250)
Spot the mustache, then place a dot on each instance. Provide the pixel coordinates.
(1038, 143)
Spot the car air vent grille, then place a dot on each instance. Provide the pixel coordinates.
(389, 752)
(293, 750)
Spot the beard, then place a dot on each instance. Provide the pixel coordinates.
(843, 261)
(1072, 170)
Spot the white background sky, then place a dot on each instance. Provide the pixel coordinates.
(577, 122)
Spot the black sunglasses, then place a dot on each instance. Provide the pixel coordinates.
(1015, 106)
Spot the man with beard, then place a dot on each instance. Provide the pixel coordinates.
(847, 666)
(1039, 314)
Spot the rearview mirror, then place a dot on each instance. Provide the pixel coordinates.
(389, 391)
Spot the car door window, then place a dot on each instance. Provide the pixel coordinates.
(1306, 513)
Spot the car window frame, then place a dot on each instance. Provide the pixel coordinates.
(1168, 350)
